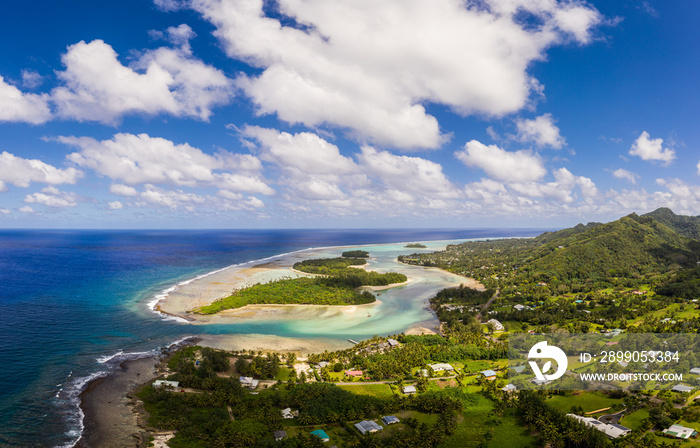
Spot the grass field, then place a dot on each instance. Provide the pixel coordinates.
(282, 374)
(589, 401)
(374, 390)
(510, 434)
(634, 420)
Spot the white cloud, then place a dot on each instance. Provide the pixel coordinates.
(16, 106)
(123, 190)
(179, 36)
(172, 199)
(238, 182)
(409, 174)
(97, 87)
(542, 131)
(652, 149)
(136, 159)
(169, 5)
(52, 197)
(31, 79)
(306, 152)
(698, 166)
(629, 176)
(333, 67)
(22, 172)
(4, 211)
(26, 209)
(562, 189)
(519, 166)
(115, 205)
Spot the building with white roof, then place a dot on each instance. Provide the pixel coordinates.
(680, 432)
(441, 366)
(612, 430)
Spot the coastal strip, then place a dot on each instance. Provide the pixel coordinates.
(111, 417)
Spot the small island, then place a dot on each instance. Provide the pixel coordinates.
(356, 254)
(416, 246)
(335, 283)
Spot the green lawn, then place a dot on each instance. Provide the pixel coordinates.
(472, 424)
(589, 401)
(511, 434)
(283, 374)
(634, 419)
(374, 390)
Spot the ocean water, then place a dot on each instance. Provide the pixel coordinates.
(73, 304)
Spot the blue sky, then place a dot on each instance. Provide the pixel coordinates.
(330, 113)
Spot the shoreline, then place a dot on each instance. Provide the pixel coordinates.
(113, 417)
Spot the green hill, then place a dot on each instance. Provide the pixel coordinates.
(688, 226)
(631, 247)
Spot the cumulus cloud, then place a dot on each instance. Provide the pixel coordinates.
(16, 106)
(137, 159)
(52, 197)
(629, 176)
(98, 87)
(519, 166)
(26, 209)
(123, 190)
(173, 199)
(542, 131)
(4, 211)
(115, 205)
(652, 149)
(304, 151)
(409, 174)
(325, 61)
(22, 172)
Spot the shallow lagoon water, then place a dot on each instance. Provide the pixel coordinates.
(73, 304)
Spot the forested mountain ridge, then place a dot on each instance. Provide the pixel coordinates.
(630, 247)
(688, 226)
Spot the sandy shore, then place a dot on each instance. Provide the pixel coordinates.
(265, 342)
(110, 420)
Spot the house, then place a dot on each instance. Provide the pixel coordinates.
(288, 413)
(368, 426)
(489, 374)
(612, 430)
(393, 342)
(322, 364)
(509, 388)
(390, 419)
(520, 307)
(354, 373)
(497, 326)
(695, 371)
(441, 366)
(168, 384)
(279, 435)
(409, 389)
(321, 434)
(680, 432)
(681, 388)
(249, 382)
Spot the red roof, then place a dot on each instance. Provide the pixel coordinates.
(353, 372)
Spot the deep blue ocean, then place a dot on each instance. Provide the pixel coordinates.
(70, 299)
